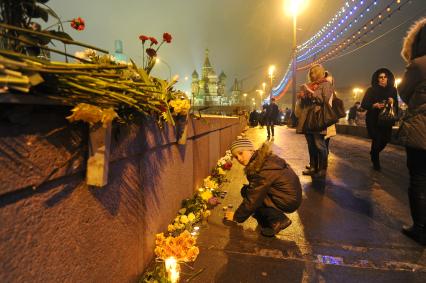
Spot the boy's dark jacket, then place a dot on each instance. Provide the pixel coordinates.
(272, 183)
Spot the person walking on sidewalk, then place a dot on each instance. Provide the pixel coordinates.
(381, 94)
(271, 116)
(273, 190)
(413, 129)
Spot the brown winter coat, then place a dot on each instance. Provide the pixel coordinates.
(272, 183)
(413, 87)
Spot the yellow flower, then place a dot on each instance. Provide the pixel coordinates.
(171, 228)
(209, 183)
(92, 114)
(184, 219)
(191, 217)
(220, 171)
(206, 195)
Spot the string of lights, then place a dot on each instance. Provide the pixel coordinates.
(377, 38)
(338, 29)
(366, 28)
(325, 28)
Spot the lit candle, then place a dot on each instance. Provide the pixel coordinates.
(172, 269)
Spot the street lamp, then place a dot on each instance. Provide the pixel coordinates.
(356, 92)
(293, 7)
(271, 76)
(245, 99)
(158, 60)
(260, 94)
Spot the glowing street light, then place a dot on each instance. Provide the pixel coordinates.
(245, 98)
(356, 92)
(294, 7)
(271, 76)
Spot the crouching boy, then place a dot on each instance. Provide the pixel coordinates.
(273, 190)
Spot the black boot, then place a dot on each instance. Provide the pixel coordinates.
(376, 161)
(417, 232)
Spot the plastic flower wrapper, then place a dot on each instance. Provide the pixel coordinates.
(210, 183)
(213, 201)
(92, 114)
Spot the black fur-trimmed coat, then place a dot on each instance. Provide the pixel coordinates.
(272, 183)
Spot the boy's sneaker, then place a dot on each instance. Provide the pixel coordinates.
(275, 228)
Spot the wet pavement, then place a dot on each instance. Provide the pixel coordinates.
(346, 230)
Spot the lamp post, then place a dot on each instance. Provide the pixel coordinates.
(271, 76)
(158, 60)
(294, 7)
(260, 94)
(245, 99)
(356, 92)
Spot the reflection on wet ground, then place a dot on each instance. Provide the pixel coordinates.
(347, 229)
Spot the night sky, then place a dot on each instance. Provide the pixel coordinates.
(244, 36)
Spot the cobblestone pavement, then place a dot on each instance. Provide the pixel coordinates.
(346, 230)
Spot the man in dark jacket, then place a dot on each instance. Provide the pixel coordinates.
(352, 113)
(271, 117)
(273, 189)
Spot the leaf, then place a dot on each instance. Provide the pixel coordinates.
(42, 1)
(38, 12)
(60, 34)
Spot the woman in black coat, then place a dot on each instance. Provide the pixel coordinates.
(413, 129)
(381, 94)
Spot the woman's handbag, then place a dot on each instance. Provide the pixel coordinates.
(338, 107)
(412, 132)
(387, 117)
(319, 118)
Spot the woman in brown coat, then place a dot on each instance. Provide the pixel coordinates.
(413, 130)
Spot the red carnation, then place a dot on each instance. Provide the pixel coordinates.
(151, 52)
(227, 166)
(162, 108)
(167, 37)
(78, 24)
(153, 41)
(143, 38)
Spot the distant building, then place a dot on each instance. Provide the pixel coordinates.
(118, 52)
(235, 98)
(209, 89)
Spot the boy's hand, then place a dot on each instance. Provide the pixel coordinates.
(229, 215)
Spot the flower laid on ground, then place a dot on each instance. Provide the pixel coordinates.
(179, 242)
(226, 161)
(210, 183)
(78, 24)
(181, 247)
(206, 195)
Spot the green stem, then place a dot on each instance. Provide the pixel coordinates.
(64, 40)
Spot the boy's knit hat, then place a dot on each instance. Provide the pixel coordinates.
(242, 144)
